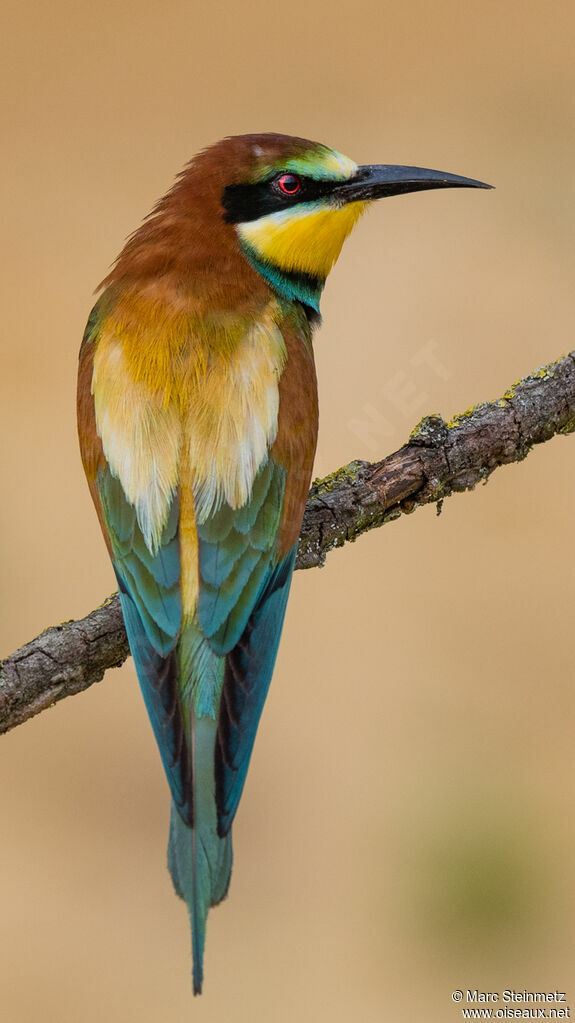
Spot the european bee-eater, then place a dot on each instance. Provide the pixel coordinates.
(197, 411)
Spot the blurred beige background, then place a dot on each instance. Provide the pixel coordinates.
(407, 827)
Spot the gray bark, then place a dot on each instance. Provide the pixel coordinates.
(438, 460)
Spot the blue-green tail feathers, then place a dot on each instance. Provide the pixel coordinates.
(204, 680)
(200, 862)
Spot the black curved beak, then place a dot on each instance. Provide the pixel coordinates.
(376, 181)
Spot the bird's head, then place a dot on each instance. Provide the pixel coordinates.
(284, 205)
(293, 203)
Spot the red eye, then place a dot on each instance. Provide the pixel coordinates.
(289, 184)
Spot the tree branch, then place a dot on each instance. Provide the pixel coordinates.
(438, 460)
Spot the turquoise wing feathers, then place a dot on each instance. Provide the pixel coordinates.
(242, 597)
(248, 673)
(204, 681)
(149, 587)
(236, 552)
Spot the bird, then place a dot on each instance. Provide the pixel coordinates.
(198, 420)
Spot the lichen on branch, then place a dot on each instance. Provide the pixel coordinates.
(439, 459)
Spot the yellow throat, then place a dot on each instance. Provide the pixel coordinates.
(304, 239)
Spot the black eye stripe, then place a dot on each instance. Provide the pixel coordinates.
(243, 203)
